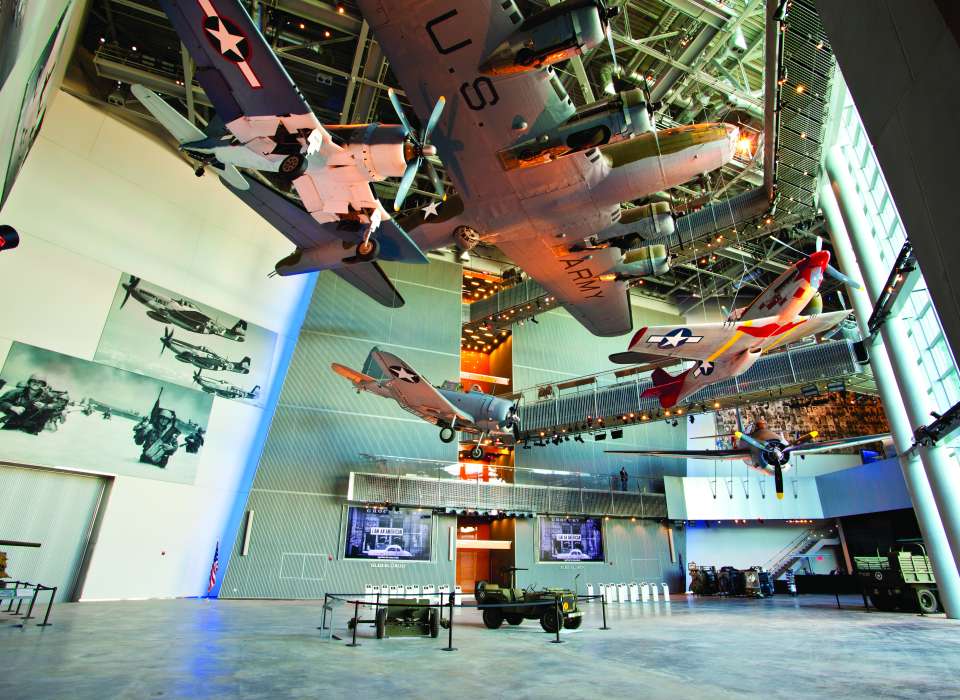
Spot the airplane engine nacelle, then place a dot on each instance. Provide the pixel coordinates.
(380, 151)
(647, 222)
(643, 261)
(321, 257)
(611, 119)
(745, 360)
(556, 34)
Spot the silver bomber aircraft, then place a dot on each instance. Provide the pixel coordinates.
(538, 178)
(474, 412)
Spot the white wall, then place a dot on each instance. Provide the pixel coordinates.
(97, 198)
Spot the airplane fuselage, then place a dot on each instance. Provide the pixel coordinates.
(487, 411)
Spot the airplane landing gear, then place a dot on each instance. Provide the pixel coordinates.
(367, 250)
(292, 166)
(446, 434)
(199, 171)
(477, 451)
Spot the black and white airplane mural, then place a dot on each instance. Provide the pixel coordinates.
(182, 313)
(200, 356)
(473, 412)
(222, 388)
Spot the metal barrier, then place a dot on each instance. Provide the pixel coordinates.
(33, 590)
(355, 600)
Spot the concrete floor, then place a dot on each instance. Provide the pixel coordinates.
(694, 648)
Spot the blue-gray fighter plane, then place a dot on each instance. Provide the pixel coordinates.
(474, 412)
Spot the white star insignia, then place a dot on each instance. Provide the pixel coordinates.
(228, 41)
(430, 209)
(404, 374)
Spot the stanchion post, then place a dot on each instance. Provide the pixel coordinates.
(356, 623)
(29, 614)
(450, 646)
(603, 604)
(46, 617)
(323, 617)
(559, 620)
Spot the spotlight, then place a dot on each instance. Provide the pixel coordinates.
(600, 436)
(674, 423)
(578, 438)
(690, 418)
(616, 434)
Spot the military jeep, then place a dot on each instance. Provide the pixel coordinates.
(530, 605)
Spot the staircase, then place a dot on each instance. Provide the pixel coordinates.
(808, 542)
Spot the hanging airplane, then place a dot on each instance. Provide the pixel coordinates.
(474, 412)
(729, 348)
(180, 312)
(199, 356)
(763, 450)
(223, 389)
(535, 176)
(264, 124)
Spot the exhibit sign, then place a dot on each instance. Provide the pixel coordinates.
(388, 534)
(163, 334)
(61, 411)
(566, 539)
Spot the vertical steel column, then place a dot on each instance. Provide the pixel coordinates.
(915, 467)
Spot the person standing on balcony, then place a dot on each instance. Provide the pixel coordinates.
(623, 479)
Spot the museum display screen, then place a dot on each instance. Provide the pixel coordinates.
(571, 539)
(381, 533)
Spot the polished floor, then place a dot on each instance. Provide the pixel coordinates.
(692, 648)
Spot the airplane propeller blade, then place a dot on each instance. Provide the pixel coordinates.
(840, 277)
(432, 121)
(819, 243)
(743, 437)
(129, 287)
(398, 108)
(778, 480)
(435, 179)
(405, 183)
(613, 52)
(165, 340)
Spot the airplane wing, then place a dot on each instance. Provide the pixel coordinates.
(811, 447)
(414, 393)
(708, 341)
(687, 454)
(234, 64)
(602, 307)
(301, 228)
(434, 48)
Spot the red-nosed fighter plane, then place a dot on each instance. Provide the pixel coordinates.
(729, 348)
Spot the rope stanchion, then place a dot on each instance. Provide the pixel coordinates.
(450, 646)
(323, 619)
(29, 615)
(356, 623)
(603, 603)
(557, 620)
(46, 618)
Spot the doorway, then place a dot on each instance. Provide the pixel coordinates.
(484, 549)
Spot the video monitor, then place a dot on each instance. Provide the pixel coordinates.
(382, 533)
(564, 539)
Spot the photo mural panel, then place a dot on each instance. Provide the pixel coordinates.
(381, 533)
(61, 411)
(565, 539)
(157, 332)
(28, 106)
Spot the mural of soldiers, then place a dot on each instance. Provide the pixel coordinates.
(194, 441)
(28, 408)
(158, 435)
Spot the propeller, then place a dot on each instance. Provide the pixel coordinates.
(830, 269)
(421, 148)
(129, 287)
(776, 454)
(165, 341)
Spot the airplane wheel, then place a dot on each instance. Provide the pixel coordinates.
(447, 434)
(367, 251)
(476, 452)
(292, 166)
(199, 171)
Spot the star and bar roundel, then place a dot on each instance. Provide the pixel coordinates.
(404, 374)
(227, 38)
(675, 338)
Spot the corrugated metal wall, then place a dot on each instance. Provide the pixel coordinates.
(54, 508)
(634, 551)
(321, 426)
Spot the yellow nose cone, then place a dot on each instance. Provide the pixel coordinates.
(780, 496)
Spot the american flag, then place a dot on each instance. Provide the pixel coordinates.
(214, 568)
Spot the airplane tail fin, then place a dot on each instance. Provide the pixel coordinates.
(255, 391)
(371, 368)
(239, 327)
(245, 362)
(665, 388)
